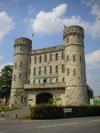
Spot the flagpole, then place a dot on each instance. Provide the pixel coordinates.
(32, 36)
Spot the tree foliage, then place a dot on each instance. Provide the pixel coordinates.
(90, 91)
(17, 93)
(5, 81)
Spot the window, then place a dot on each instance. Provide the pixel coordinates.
(21, 99)
(45, 81)
(80, 58)
(73, 57)
(56, 69)
(67, 71)
(78, 37)
(39, 70)
(26, 74)
(28, 81)
(40, 59)
(45, 58)
(62, 79)
(50, 80)
(39, 80)
(34, 59)
(44, 69)
(30, 60)
(25, 99)
(34, 81)
(20, 65)
(81, 73)
(14, 77)
(67, 57)
(34, 71)
(50, 57)
(50, 69)
(74, 73)
(56, 56)
(20, 75)
(56, 79)
(20, 47)
(62, 55)
(63, 70)
(67, 39)
(15, 65)
(29, 71)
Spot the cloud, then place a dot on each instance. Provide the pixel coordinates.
(93, 59)
(1, 57)
(6, 24)
(54, 21)
(2, 65)
(30, 9)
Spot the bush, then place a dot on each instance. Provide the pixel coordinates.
(47, 111)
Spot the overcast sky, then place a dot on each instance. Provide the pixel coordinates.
(46, 19)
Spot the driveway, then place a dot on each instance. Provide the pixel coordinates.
(9, 114)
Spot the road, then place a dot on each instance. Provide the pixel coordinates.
(68, 125)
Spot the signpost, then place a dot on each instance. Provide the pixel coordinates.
(67, 110)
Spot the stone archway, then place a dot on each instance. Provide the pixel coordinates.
(43, 98)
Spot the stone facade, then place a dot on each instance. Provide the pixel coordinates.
(51, 70)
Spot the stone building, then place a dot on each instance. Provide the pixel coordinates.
(42, 73)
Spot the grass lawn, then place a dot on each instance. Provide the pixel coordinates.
(26, 117)
(7, 108)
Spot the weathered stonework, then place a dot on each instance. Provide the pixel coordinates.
(51, 70)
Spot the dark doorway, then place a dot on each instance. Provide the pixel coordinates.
(43, 98)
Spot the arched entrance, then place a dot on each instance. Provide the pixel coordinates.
(43, 98)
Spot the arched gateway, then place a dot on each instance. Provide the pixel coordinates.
(43, 98)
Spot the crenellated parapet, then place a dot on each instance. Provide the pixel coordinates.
(23, 41)
(48, 50)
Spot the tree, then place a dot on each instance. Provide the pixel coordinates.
(17, 94)
(5, 81)
(90, 91)
(54, 99)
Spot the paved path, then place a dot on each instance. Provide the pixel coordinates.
(9, 114)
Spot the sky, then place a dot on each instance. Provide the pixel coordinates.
(46, 19)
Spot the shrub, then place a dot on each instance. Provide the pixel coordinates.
(47, 111)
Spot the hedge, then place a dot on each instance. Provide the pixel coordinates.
(47, 111)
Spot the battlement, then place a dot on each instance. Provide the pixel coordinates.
(23, 41)
(73, 30)
(48, 49)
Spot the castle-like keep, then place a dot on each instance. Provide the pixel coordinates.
(43, 73)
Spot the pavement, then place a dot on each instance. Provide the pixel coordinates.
(8, 115)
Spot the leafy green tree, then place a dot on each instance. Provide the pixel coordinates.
(17, 94)
(54, 98)
(5, 81)
(90, 91)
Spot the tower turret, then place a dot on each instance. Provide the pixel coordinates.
(76, 91)
(20, 68)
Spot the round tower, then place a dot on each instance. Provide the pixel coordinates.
(76, 91)
(22, 48)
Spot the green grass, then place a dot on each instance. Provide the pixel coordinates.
(7, 108)
(26, 117)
